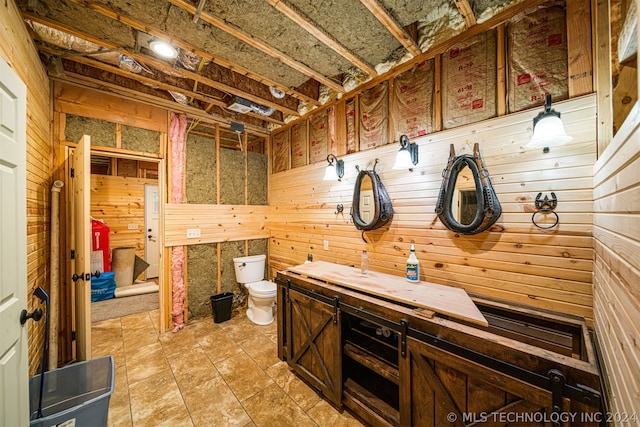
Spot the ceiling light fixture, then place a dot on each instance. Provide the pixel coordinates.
(163, 48)
(548, 130)
(407, 157)
(333, 172)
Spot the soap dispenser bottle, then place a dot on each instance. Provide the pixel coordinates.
(413, 266)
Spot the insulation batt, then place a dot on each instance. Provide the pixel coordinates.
(177, 133)
(299, 144)
(318, 136)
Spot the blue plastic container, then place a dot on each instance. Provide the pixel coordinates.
(103, 287)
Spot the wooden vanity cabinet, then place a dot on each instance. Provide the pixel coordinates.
(390, 365)
(313, 342)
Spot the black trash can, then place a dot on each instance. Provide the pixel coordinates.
(221, 306)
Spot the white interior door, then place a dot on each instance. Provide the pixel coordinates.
(366, 205)
(151, 213)
(81, 224)
(14, 372)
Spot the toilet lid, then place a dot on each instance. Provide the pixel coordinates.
(263, 288)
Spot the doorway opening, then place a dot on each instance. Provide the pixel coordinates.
(125, 198)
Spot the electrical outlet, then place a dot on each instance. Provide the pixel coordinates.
(132, 226)
(326, 245)
(193, 233)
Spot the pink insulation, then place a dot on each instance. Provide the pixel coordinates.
(177, 135)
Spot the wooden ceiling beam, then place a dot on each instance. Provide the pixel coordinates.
(260, 45)
(157, 32)
(144, 27)
(199, 9)
(465, 10)
(163, 66)
(392, 26)
(153, 82)
(149, 81)
(166, 67)
(296, 16)
(212, 101)
(111, 89)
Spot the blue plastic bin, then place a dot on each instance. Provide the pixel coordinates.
(79, 392)
(103, 287)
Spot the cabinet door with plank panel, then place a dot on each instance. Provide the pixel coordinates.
(440, 388)
(313, 343)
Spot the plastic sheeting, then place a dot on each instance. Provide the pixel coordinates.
(177, 136)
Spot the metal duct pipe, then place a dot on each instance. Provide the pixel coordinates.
(54, 274)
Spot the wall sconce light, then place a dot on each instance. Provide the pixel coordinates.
(163, 48)
(407, 157)
(548, 130)
(333, 172)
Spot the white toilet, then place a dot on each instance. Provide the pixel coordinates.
(262, 293)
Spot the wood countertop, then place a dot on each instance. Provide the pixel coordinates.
(447, 300)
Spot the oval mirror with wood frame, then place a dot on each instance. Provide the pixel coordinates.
(467, 202)
(371, 203)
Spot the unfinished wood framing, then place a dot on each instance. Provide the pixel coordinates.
(392, 26)
(580, 66)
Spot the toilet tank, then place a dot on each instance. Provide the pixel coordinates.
(249, 269)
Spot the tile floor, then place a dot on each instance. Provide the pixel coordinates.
(207, 374)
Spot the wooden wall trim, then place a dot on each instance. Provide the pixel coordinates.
(218, 223)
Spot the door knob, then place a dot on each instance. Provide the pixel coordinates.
(85, 277)
(35, 315)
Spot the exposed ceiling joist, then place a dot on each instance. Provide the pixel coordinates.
(199, 9)
(309, 26)
(246, 49)
(465, 10)
(163, 66)
(157, 32)
(260, 45)
(153, 82)
(392, 26)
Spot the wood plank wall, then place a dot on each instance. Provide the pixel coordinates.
(217, 223)
(515, 261)
(18, 50)
(118, 202)
(616, 280)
